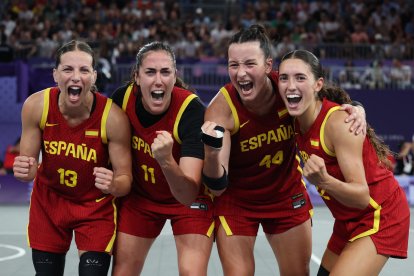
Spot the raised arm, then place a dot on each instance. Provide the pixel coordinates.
(183, 176)
(25, 165)
(118, 181)
(352, 192)
(216, 160)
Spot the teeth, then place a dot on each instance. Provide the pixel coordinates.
(158, 92)
(244, 82)
(292, 96)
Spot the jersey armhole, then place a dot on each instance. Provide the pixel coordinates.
(46, 98)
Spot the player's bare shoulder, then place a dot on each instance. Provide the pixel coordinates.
(33, 105)
(118, 122)
(219, 111)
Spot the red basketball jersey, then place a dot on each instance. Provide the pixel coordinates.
(69, 154)
(149, 180)
(381, 181)
(263, 166)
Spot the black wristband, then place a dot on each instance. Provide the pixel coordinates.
(356, 103)
(212, 141)
(216, 184)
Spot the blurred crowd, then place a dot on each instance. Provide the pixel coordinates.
(359, 28)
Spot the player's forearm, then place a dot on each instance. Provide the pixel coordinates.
(355, 195)
(122, 185)
(183, 188)
(212, 165)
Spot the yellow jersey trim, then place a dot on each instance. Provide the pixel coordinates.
(46, 99)
(226, 226)
(126, 96)
(210, 230)
(376, 223)
(104, 120)
(322, 131)
(180, 114)
(111, 242)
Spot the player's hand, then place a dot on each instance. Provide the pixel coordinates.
(356, 117)
(315, 171)
(212, 135)
(103, 179)
(21, 167)
(162, 146)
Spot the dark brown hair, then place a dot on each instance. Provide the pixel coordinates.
(74, 45)
(255, 32)
(157, 46)
(338, 95)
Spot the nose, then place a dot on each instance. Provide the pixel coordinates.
(291, 84)
(241, 71)
(158, 79)
(76, 76)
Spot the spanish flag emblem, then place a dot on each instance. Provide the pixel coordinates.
(314, 143)
(282, 112)
(91, 133)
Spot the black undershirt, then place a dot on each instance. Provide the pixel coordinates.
(193, 115)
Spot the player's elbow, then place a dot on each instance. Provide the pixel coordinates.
(364, 198)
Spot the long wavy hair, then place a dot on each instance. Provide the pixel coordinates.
(338, 95)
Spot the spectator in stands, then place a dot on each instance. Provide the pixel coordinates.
(6, 52)
(400, 75)
(26, 46)
(349, 76)
(11, 152)
(9, 24)
(284, 46)
(405, 159)
(374, 76)
(360, 39)
(46, 46)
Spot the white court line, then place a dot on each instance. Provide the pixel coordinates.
(315, 259)
(20, 252)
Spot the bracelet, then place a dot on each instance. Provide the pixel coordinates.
(216, 184)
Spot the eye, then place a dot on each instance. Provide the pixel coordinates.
(166, 72)
(283, 78)
(301, 77)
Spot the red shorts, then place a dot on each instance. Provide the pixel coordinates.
(53, 219)
(390, 237)
(282, 218)
(143, 218)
